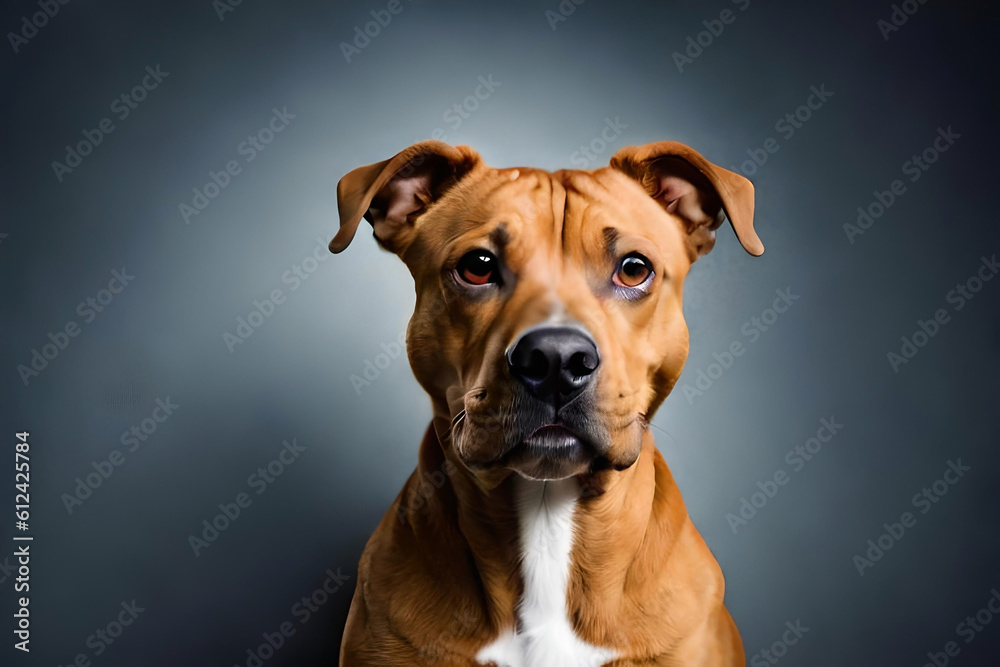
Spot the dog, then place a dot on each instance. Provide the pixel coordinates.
(542, 527)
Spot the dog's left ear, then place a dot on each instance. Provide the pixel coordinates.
(695, 190)
(392, 193)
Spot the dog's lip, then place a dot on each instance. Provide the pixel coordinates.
(560, 431)
(551, 451)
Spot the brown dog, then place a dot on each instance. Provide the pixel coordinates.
(542, 528)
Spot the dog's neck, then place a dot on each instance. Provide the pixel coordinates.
(624, 525)
(611, 515)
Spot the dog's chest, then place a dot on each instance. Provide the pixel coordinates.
(544, 636)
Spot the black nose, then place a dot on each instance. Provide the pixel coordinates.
(554, 363)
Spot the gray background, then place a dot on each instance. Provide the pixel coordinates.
(163, 335)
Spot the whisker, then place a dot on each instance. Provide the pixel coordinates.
(455, 422)
(667, 433)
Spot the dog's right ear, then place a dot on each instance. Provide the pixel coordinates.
(392, 193)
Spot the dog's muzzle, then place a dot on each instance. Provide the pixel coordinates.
(555, 365)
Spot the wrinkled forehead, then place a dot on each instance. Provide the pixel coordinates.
(496, 209)
(523, 212)
(604, 205)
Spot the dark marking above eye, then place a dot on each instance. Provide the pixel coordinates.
(610, 240)
(499, 236)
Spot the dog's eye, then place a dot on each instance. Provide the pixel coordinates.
(478, 267)
(633, 271)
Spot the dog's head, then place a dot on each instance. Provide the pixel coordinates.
(548, 324)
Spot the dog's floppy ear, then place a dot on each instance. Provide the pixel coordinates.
(392, 193)
(692, 188)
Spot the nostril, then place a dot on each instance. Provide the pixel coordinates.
(581, 364)
(537, 366)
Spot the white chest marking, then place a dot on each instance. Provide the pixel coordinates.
(545, 637)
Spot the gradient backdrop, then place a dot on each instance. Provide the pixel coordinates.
(559, 75)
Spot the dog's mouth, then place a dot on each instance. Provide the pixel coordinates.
(540, 442)
(551, 452)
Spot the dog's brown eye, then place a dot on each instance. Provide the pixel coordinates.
(478, 267)
(633, 271)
